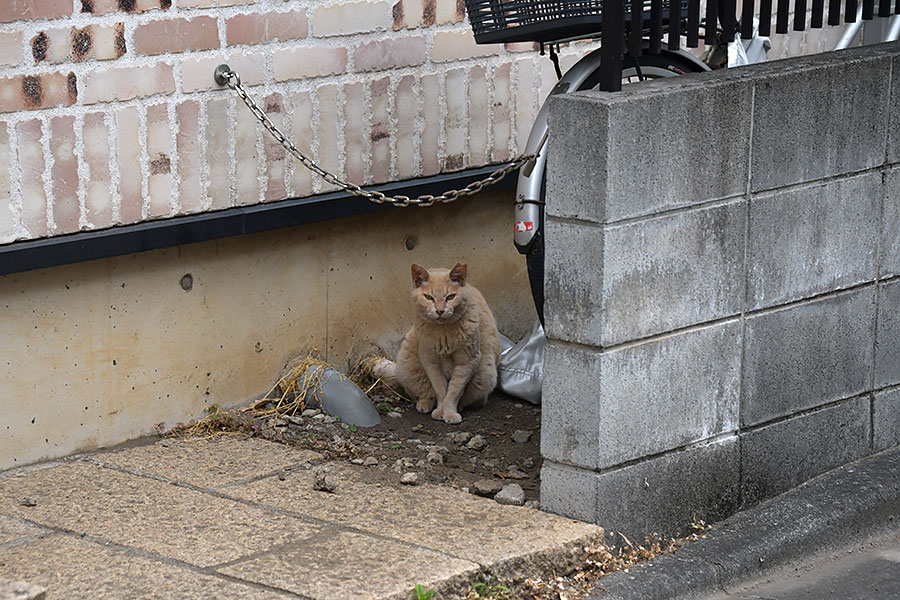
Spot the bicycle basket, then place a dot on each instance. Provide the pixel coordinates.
(502, 21)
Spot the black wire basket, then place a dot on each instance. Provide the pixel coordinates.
(503, 21)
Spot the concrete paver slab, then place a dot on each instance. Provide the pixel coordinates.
(446, 520)
(339, 565)
(173, 521)
(208, 462)
(13, 531)
(75, 569)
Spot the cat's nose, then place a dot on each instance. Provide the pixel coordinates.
(439, 311)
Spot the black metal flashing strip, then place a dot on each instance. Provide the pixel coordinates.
(176, 231)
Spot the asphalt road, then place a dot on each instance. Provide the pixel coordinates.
(870, 571)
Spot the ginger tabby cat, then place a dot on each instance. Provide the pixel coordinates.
(450, 355)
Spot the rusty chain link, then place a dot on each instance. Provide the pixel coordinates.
(225, 76)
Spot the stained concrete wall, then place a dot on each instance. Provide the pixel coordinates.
(96, 353)
(723, 253)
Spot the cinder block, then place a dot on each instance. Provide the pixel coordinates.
(814, 240)
(777, 457)
(887, 350)
(886, 419)
(671, 272)
(791, 142)
(807, 355)
(665, 494)
(573, 281)
(893, 144)
(570, 411)
(890, 233)
(668, 393)
(630, 154)
(568, 491)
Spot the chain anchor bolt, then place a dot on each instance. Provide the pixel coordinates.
(221, 74)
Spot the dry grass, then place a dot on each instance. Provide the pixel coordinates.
(600, 561)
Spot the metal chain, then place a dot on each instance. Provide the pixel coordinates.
(233, 81)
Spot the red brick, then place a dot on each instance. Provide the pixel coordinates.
(131, 178)
(14, 10)
(406, 107)
(218, 153)
(176, 35)
(79, 44)
(64, 174)
(356, 133)
(390, 54)
(31, 92)
(255, 28)
(125, 83)
(275, 152)
(189, 156)
(98, 200)
(31, 160)
(300, 63)
(159, 153)
(431, 111)
(10, 48)
(381, 130)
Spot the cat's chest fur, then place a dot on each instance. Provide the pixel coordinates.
(450, 339)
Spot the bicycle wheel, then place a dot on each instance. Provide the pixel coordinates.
(651, 66)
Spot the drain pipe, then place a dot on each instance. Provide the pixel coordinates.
(894, 31)
(850, 32)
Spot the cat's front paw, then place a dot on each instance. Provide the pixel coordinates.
(425, 405)
(437, 414)
(453, 418)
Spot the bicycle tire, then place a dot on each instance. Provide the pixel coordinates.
(656, 66)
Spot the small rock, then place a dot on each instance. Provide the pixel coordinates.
(528, 463)
(282, 476)
(435, 458)
(21, 590)
(515, 473)
(29, 501)
(329, 419)
(476, 443)
(460, 437)
(323, 480)
(293, 419)
(533, 504)
(518, 405)
(310, 412)
(420, 464)
(521, 437)
(489, 464)
(395, 415)
(487, 487)
(410, 479)
(358, 461)
(511, 494)
(417, 427)
(370, 461)
(318, 417)
(440, 449)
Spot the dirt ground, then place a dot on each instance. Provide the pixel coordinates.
(409, 442)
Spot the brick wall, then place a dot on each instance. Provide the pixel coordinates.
(109, 113)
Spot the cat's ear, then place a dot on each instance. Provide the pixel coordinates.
(458, 274)
(419, 275)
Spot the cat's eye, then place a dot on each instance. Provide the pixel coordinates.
(429, 298)
(450, 297)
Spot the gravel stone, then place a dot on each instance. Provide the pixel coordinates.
(528, 463)
(410, 479)
(515, 473)
(476, 443)
(435, 458)
(330, 419)
(521, 437)
(511, 494)
(460, 437)
(487, 487)
(318, 417)
(370, 461)
(323, 480)
(310, 412)
(29, 501)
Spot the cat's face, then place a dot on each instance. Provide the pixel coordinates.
(439, 293)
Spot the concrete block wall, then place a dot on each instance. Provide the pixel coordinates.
(109, 113)
(722, 288)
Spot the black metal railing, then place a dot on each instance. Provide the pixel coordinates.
(622, 25)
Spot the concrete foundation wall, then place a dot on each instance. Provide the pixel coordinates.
(96, 353)
(722, 288)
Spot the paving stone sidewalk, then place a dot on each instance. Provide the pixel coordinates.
(239, 518)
